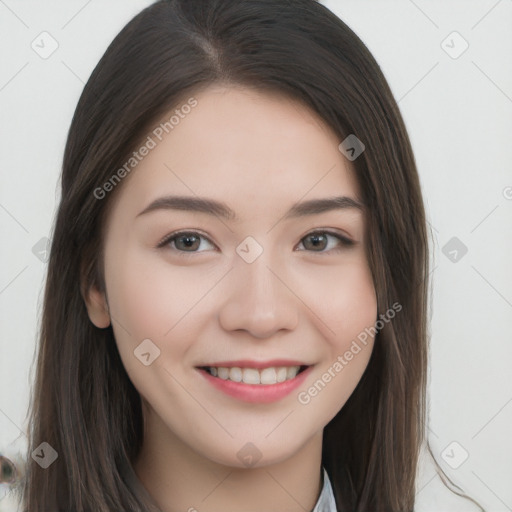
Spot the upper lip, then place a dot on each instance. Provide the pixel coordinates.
(247, 363)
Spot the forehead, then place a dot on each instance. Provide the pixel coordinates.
(243, 147)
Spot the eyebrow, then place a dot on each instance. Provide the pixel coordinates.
(217, 208)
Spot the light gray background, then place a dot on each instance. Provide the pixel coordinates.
(459, 115)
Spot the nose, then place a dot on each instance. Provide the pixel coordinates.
(258, 299)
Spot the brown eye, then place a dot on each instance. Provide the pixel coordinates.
(184, 241)
(318, 241)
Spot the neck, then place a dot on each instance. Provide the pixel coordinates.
(180, 479)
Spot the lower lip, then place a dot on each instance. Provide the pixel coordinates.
(256, 393)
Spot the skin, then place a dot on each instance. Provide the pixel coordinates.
(260, 153)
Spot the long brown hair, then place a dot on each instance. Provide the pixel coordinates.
(83, 403)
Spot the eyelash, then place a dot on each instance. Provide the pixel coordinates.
(344, 241)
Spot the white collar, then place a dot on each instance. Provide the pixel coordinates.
(325, 501)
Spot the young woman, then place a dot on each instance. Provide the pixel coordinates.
(236, 303)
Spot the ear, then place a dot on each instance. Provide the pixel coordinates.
(97, 307)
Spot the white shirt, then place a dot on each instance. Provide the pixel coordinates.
(325, 501)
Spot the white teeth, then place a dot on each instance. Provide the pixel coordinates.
(251, 376)
(265, 376)
(268, 376)
(223, 373)
(292, 371)
(281, 374)
(235, 374)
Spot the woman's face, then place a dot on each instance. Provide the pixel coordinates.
(253, 293)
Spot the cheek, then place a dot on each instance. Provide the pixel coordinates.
(342, 297)
(355, 314)
(144, 305)
(152, 296)
(150, 301)
(355, 305)
(153, 299)
(347, 307)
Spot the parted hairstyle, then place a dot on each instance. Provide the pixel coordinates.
(82, 403)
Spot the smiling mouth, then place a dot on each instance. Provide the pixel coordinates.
(262, 376)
